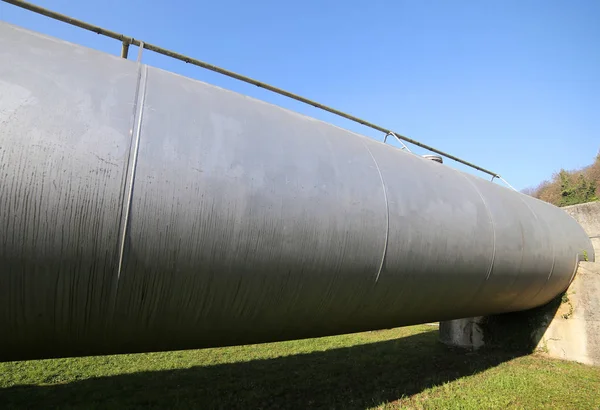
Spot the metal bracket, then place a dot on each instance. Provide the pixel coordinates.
(503, 180)
(140, 51)
(125, 49)
(398, 139)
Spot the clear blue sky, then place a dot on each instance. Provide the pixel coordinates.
(512, 85)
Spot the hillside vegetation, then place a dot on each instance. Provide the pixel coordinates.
(570, 187)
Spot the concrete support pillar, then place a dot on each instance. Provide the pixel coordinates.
(467, 333)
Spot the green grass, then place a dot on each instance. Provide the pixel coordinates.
(389, 369)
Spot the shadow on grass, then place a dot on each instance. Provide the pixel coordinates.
(354, 377)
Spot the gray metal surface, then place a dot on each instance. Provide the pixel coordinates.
(142, 211)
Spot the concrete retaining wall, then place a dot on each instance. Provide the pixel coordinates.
(574, 331)
(588, 216)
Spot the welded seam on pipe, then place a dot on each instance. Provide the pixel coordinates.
(491, 219)
(516, 297)
(520, 270)
(387, 215)
(490, 216)
(509, 305)
(551, 240)
(574, 271)
(132, 163)
(553, 262)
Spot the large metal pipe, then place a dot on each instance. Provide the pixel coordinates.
(142, 211)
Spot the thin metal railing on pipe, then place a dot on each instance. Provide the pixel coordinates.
(127, 41)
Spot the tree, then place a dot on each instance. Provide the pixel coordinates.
(575, 190)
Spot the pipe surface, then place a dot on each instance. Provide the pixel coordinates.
(145, 211)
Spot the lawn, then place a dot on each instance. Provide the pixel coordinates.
(388, 369)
